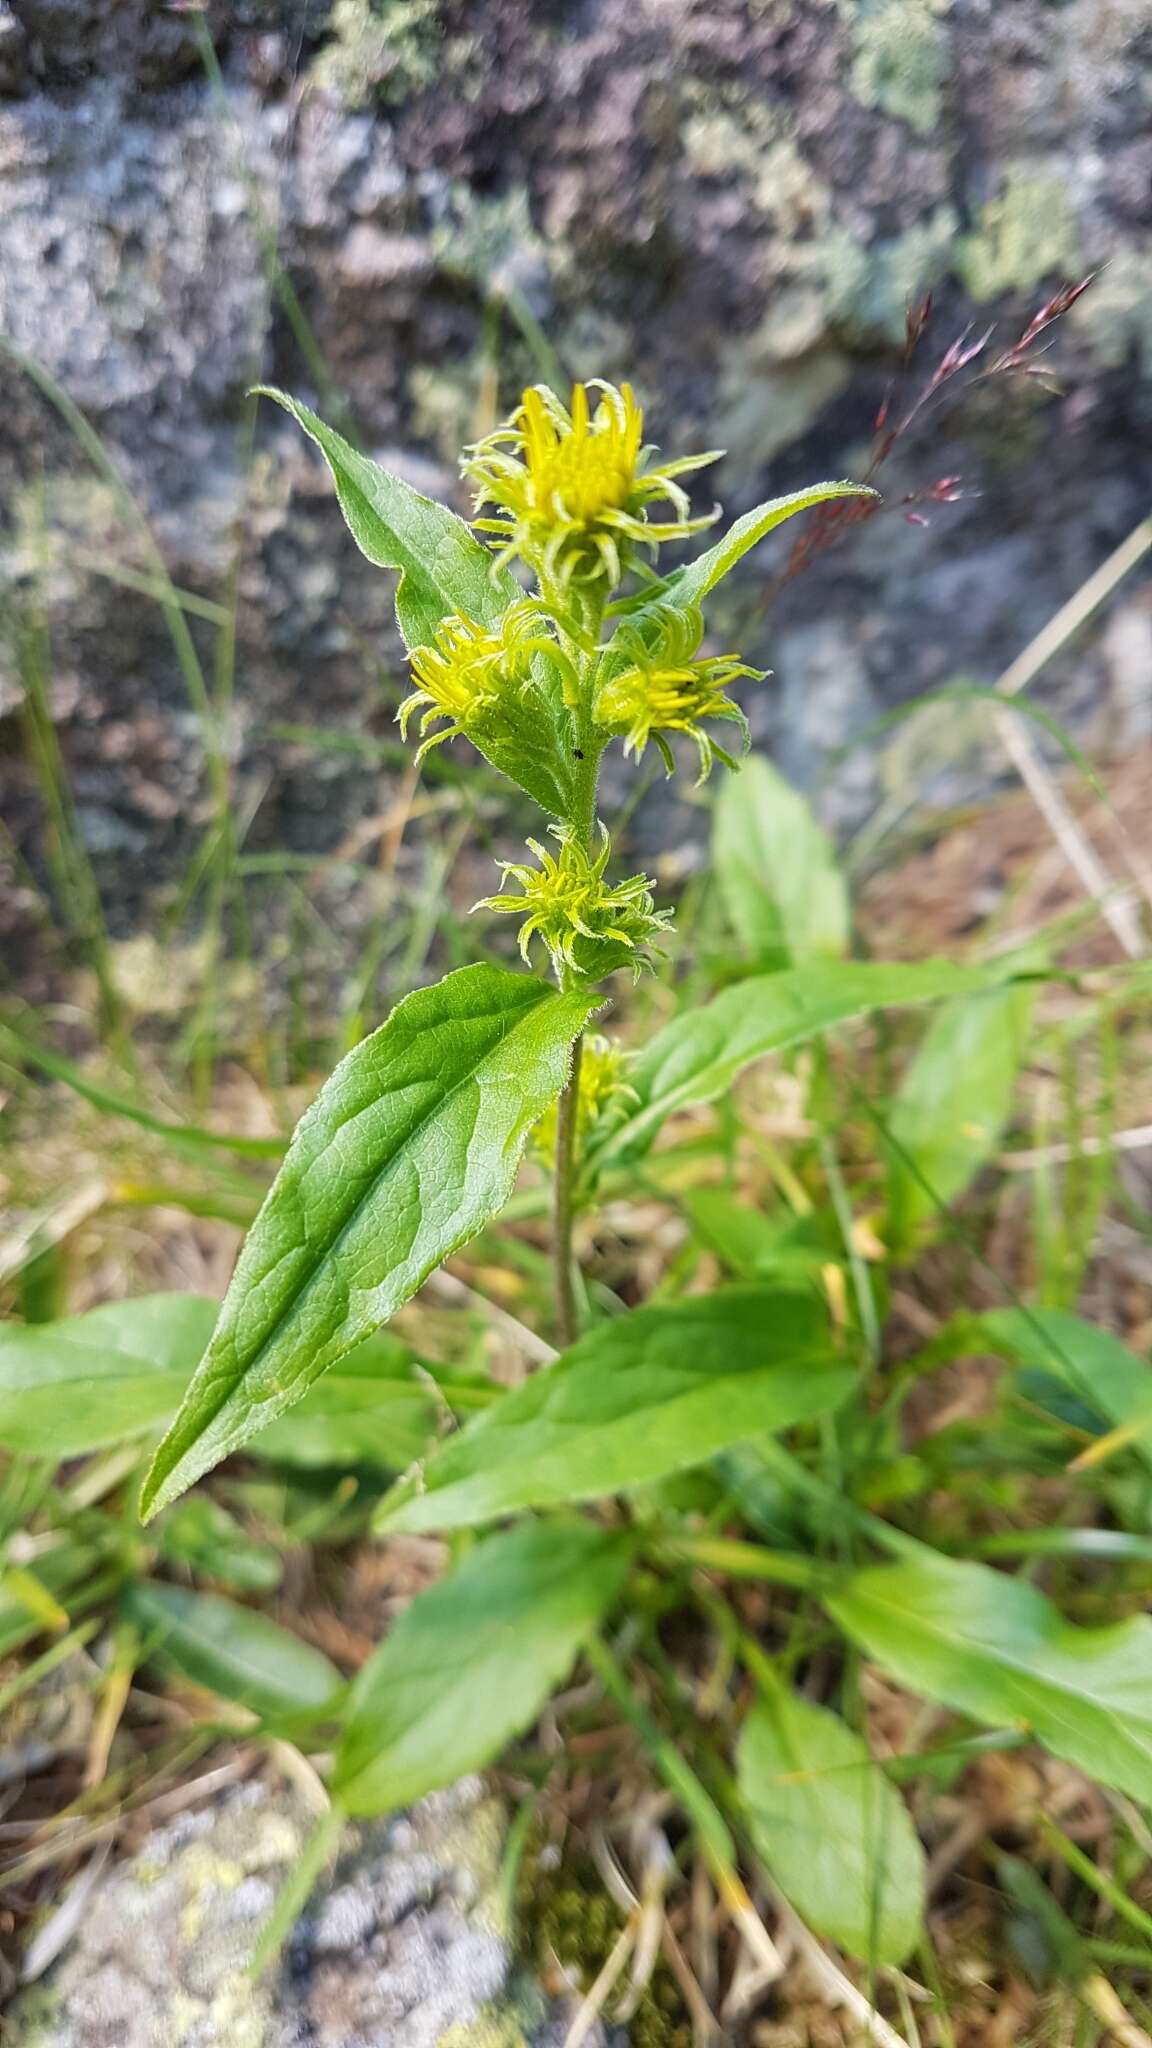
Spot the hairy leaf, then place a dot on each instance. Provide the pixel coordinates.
(702, 575)
(118, 1372)
(698, 1055)
(833, 1831)
(371, 1409)
(995, 1648)
(231, 1650)
(410, 1147)
(777, 871)
(443, 569)
(470, 1663)
(644, 1395)
(954, 1101)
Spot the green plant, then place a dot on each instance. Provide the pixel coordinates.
(614, 1477)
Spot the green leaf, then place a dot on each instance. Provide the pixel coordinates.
(1040, 1934)
(698, 1055)
(64, 1573)
(231, 1650)
(181, 1137)
(954, 1102)
(755, 1246)
(699, 577)
(203, 1537)
(779, 878)
(832, 1829)
(443, 569)
(995, 1648)
(371, 1409)
(471, 1662)
(118, 1372)
(410, 1147)
(647, 1394)
(1100, 1370)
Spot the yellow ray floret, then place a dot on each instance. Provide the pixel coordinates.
(565, 899)
(665, 688)
(469, 670)
(570, 487)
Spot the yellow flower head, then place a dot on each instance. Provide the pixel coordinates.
(664, 689)
(465, 673)
(602, 1085)
(571, 488)
(567, 899)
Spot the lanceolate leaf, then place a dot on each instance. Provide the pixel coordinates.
(644, 1395)
(995, 1648)
(954, 1102)
(371, 1409)
(1093, 1364)
(233, 1651)
(698, 1055)
(68, 1387)
(409, 1148)
(833, 1831)
(699, 577)
(777, 871)
(443, 569)
(470, 1663)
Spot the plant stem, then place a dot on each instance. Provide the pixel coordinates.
(737, 1560)
(295, 1893)
(588, 745)
(564, 1208)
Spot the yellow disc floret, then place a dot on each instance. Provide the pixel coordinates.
(469, 669)
(565, 899)
(570, 487)
(665, 688)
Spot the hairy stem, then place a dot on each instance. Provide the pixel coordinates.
(564, 1208)
(589, 745)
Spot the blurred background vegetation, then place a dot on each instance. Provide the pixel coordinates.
(217, 866)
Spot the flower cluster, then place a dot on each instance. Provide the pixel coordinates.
(565, 900)
(602, 1086)
(664, 688)
(462, 677)
(574, 494)
(570, 487)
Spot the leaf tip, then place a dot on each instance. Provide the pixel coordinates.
(161, 1486)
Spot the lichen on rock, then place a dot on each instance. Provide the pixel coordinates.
(405, 1942)
(1027, 232)
(901, 58)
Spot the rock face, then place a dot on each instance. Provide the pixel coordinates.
(403, 1947)
(407, 208)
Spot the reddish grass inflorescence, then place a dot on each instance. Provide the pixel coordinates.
(893, 422)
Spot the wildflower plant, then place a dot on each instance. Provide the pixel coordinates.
(542, 683)
(413, 1145)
